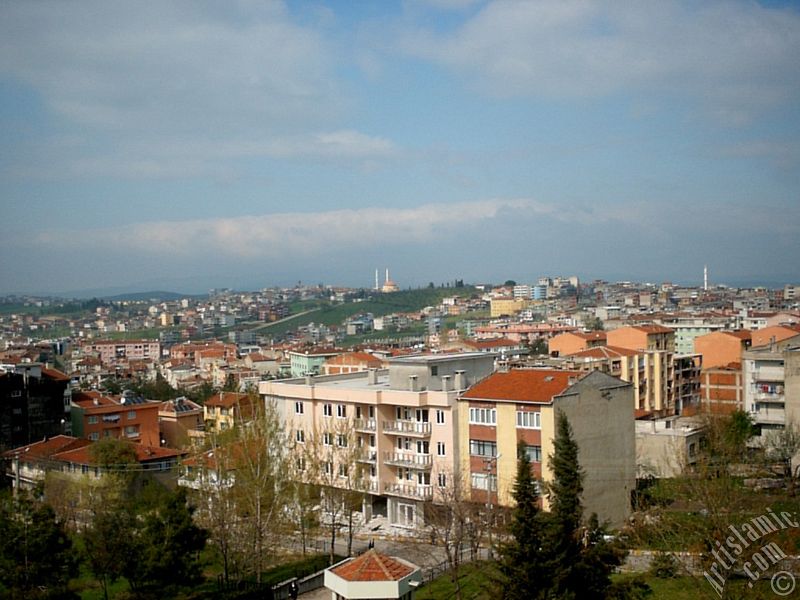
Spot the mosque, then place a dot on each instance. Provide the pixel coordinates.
(389, 286)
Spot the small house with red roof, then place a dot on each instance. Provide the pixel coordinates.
(373, 575)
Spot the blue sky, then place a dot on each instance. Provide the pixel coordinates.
(187, 145)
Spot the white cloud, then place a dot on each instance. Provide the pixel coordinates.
(738, 58)
(273, 236)
(169, 89)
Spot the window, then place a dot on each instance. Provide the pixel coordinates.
(300, 436)
(440, 450)
(483, 416)
(342, 470)
(434, 371)
(327, 410)
(358, 412)
(372, 441)
(131, 415)
(341, 440)
(371, 412)
(92, 420)
(534, 453)
(94, 436)
(423, 447)
(301, 464)
(529, 420)
(422, 415)
(442, 480)
(373, 472)
(482, 481)
(482, 448)
(131, 430)
(298, 408)
(423, 478)
(440, 417)
(327, 439)
(327, 467)
(341, 411)
(403, 413)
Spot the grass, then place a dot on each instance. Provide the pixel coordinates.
(475, 580)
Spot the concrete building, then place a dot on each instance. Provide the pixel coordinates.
(110, 351)
(521, 405)
(226, 410)
(180, 420)
(405, 418)
(351, 362)
(665, 447)
(310, 361)
(507, 306)
(571, 342)
(770, 388)
(127, 417)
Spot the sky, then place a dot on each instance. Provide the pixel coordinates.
(188, 145)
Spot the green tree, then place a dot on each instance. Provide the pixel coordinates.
(36, 557)
(521, 558)
(167, 544)
(105, 540)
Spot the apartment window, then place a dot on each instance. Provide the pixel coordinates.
(372, 441)
(483, 416)
(341, 440)
(327, 467)
(327, 439)
(327, 410)
(440, 449)
(300, 436)
(423, 478)
(403, 413)
(301, 464)
(482, 448)
(371, 412)
(482, 481)
(534, 453)
(94, 436)
(341, 411)
(342, 470)
(131, 415)
(92, 420)
(423, 447)
(440, 417)
(422, 415)
(298, 408)
(529, 420)
(358, 412)
(442, 480)
(434, 371)
(373, 472)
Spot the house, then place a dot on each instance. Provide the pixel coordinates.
(373, 575)
(520, 405)
(178, 420)
(572, 342)
(779, 336)
(130, 417)
(27, 466)
(666, 446)
(351, 362)
(225, 410)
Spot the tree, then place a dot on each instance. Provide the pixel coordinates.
(105, 540)
(167, 546)
(578, 560)
(36, 557)
(453, 520)
(521, 558)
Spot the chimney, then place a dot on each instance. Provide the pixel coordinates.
(460, 381)
(572, 380)
(446, 383)
(372, 377)
(413, 386)
(309, 379)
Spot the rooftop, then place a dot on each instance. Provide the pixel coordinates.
(523, 385)
(373, 566)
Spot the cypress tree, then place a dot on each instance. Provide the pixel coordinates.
(521, 562)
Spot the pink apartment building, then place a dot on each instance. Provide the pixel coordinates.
(405, 417)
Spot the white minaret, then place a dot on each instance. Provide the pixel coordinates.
(705, 278)
(387, 273)
(377, 285)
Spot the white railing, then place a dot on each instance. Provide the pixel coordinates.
(419, 492)
(407, 427)
(408, 459)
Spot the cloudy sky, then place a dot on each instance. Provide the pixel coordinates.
(186, 145)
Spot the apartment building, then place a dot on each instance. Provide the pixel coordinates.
(351, 362)
(310, 361)
(128, 417)
(507, 408)
(404, 417)
(225, 410)
(111, 351)
(771, 381)
(575, 341)
(179, 421)
(721, 389)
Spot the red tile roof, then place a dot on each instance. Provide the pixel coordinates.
(653, 329)
(372, 566)
(55, 374)
(47, 447)
(591, 335)
(523, 385)
(82, 456)
(227, 399)
(603, 352)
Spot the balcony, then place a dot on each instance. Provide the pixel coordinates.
(415, 492)
(370, 457)
(769, 417)
(408, 459)
(365, 425)
(769, 397)
(408, 428)
(368, 485)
